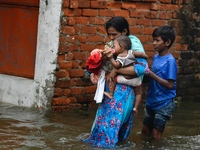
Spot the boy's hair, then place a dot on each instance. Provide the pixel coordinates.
(119, 23)
(125, 41)
(166, 33)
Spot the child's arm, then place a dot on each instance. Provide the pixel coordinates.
(115, 64)
(166, 83)
(139, 54)
(138, 97)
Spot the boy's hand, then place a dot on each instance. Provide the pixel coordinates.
(135, 111)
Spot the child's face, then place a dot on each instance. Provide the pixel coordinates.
(117, 47)
(159, 44)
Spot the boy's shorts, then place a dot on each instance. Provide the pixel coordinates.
(158, 118)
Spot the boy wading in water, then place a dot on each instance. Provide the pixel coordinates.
(162, 88)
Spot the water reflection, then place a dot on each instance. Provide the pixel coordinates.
(32, 129)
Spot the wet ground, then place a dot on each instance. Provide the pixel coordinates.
(32, 129)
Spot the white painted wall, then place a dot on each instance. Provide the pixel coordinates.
(39, 91)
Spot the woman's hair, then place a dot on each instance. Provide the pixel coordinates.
(166, 33)
(125, 41)
(119, 23)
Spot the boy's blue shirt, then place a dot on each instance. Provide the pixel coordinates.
(159, 96)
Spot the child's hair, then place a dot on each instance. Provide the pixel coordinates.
(125, 41)
(119, 23)
(166, 33)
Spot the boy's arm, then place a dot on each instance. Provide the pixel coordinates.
(166, 83)
(138, 97)
(140, 54)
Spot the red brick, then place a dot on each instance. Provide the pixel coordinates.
(142, 5)
(143, 38)
(165, 15)
(158, 22)
(73, 4)
(75, 64)
(113, 5)
(68, 12)
(148, 31)
(151, 15)
(71, 21)
(65, 3)
(145, 22)
(90, 89)
(60, 74)
(106, 12)
(71, 39)
(62, 39)
(62, 83)
(61, 101)
(170, 7)
(166, 1)
(101, 30)
(76, 73)
(136, 30)
(76, 90)
(129, 6)
(69, 56)
(81, 38)
(61, 57)
(156, 6)
(77, 12)
(87, 47)
(90, 12)
(79, 56)
(58, 92)
(83, 3)
(148, 47)
(123, 13)
(66, 92)
(65, 65)
(66, 74)
(96, 21)
(89, 30)
(98, 4)
(81, 20)
(137, 14)
(67, 30)
(95, 38)
(63, 48)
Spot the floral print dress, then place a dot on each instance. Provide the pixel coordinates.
(114, 118)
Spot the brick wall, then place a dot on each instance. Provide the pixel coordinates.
(82, 30)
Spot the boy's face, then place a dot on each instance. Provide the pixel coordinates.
(159, 44)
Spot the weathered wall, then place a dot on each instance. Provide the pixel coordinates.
(82, 30)
(37, 92)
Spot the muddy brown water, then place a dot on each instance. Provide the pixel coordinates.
(24, 128)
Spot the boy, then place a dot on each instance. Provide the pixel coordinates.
(162, 87)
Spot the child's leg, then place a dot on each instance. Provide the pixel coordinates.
(111, 83)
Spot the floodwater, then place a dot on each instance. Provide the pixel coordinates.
(24, 128)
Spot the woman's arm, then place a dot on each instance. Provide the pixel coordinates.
(140, 54)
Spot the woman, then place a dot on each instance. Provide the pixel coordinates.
(114, 116)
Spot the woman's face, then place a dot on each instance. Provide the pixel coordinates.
(113, 33)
